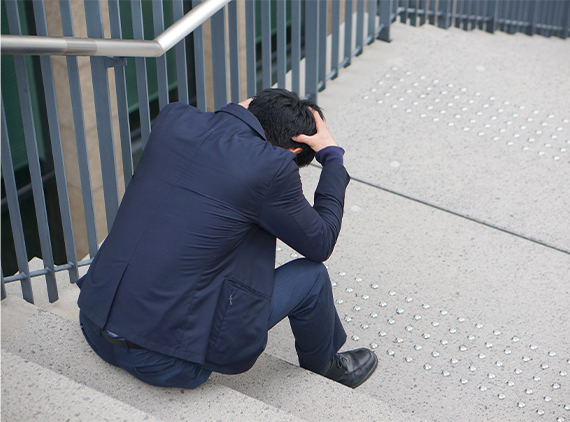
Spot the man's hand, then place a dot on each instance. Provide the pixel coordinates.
(322, 139)
(245, 103)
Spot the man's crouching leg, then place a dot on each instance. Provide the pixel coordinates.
(148, 366)
(303, 292)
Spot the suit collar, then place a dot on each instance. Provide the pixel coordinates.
(246, 116)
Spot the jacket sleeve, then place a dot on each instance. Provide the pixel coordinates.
(286, 214)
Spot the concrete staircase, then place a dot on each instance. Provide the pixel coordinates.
(49, 373)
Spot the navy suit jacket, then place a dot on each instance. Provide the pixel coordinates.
(187, 268)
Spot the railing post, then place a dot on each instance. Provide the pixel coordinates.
(281, 12)
(372, 13)
(3, 292)
(181, 68)
(56, 144)
(33, 156)
(322, 46)
(266, 43)
(359, 27)
(347, 33)
(565, 33)
(296, 46)
(218, 25)
(122, 105)
(404, 14)
(142, 79)
(250, 46)
(100, 81)
(79, 130)
(385, 20)
(444, 20)
(493, 13)
(14, 211)
(311, 48)
(234, 51)
(199, 62)
(161, 67)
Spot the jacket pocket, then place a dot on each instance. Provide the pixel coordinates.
(239, 330)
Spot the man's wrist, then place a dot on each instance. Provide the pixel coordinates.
(330, 154)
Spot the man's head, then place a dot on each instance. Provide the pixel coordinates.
(283, 115)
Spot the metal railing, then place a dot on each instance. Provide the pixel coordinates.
(289, 46)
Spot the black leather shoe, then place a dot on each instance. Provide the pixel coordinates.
(352, 368)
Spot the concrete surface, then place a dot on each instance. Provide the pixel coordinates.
(310, 396)
(33, 393)
(57, 344)
(65, 306)
(474, 227)
(471, 276)
(493, 164)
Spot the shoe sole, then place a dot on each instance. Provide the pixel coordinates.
(369, 372)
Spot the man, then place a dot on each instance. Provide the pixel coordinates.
(185, 283)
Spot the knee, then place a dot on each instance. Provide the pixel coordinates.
(320, 274)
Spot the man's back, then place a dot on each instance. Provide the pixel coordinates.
(188, 221)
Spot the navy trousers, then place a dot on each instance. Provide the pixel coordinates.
(302, 292)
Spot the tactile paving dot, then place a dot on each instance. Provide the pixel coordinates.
(502, 367)
(482, 117)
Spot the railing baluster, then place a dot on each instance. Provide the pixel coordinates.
(433, 12)
(218, 25)
(480, 13)
(444, 21)
(181, 68)
(359, 27)
(493, 11)
(553, 17)
(335, 30)
(348, 5)
(557, 18)
(404, 14)
(385, 20)
(281, 12)
(322, 48)
(15, 216)
(423, 11)
(296, 46)
(32, 153)
(79, 127)
(3, 294)
(565, 31)
(469, 22)
(234, 51)
(250, 47)
(372, 13)
(56, 145)
(540, 19)
(161, 71)
(102, 101)
(142, 79)
(459, 7)
(311, 48)
(122, 105)
(266, 42)
(413, 12)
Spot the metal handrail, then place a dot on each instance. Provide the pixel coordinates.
(75, 46)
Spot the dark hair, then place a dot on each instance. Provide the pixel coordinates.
(282, 115)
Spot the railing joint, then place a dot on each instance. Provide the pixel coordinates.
(111, 62)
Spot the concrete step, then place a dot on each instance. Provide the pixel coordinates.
(57, 344)
(31, 392)
(27, 330)
(309, 396)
